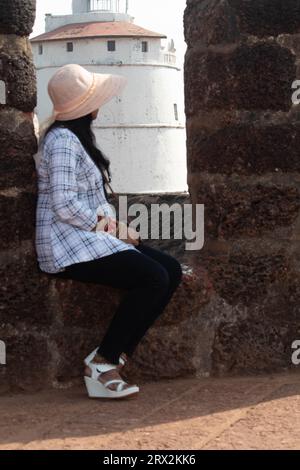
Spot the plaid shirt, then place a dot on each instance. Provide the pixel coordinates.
(70, 194)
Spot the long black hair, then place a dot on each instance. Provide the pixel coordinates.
(81, 127)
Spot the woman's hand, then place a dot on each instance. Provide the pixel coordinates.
(119, 229)
(111, 225)
(128, 234)
(101, 224)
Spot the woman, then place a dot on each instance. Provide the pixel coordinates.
(72, 199)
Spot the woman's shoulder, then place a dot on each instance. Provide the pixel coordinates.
(60, 133)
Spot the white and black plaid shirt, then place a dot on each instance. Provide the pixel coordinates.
(70, 192)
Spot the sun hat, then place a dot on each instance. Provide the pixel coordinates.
(76, 92)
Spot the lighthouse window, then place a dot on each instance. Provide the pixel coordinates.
(69, 46)
(111, 45)
(176, 111)
(40, 48)
(144, 46)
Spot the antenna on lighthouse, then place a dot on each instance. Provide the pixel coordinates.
(127, 1)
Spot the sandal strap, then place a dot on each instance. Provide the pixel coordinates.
(99, 368)
(123, 360)
(120, 382)
(90, 357)
(114, 381)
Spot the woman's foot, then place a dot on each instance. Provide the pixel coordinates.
(109, 375)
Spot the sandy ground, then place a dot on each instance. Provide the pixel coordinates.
(238, 413)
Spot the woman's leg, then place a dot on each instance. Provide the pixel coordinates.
(147, 282)
(175, 275)
(171, 264)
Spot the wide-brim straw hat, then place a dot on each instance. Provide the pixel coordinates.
(76, 92)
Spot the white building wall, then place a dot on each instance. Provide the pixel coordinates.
(94, 51)
(148, 98)
(80, 6)
(145, 160)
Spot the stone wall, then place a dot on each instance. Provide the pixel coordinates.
(17, 182)
(237, 309)
(243, 162)
(49, 325)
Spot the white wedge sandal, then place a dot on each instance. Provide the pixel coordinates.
(97, 389)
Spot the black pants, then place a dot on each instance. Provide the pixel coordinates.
(150, 275)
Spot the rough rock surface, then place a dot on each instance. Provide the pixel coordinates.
(243, 163)
(17, 16)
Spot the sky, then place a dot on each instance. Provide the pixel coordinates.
(162, 16)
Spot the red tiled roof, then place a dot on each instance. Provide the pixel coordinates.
(97, 29)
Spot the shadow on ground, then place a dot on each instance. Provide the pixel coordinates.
(253, 412)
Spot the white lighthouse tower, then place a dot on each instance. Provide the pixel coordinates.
(142, 131)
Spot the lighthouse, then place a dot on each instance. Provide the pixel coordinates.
(141, 131)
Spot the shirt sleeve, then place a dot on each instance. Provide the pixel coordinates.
(105, 209)
(62, 159)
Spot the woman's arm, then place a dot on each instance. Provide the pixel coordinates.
(62, 157)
